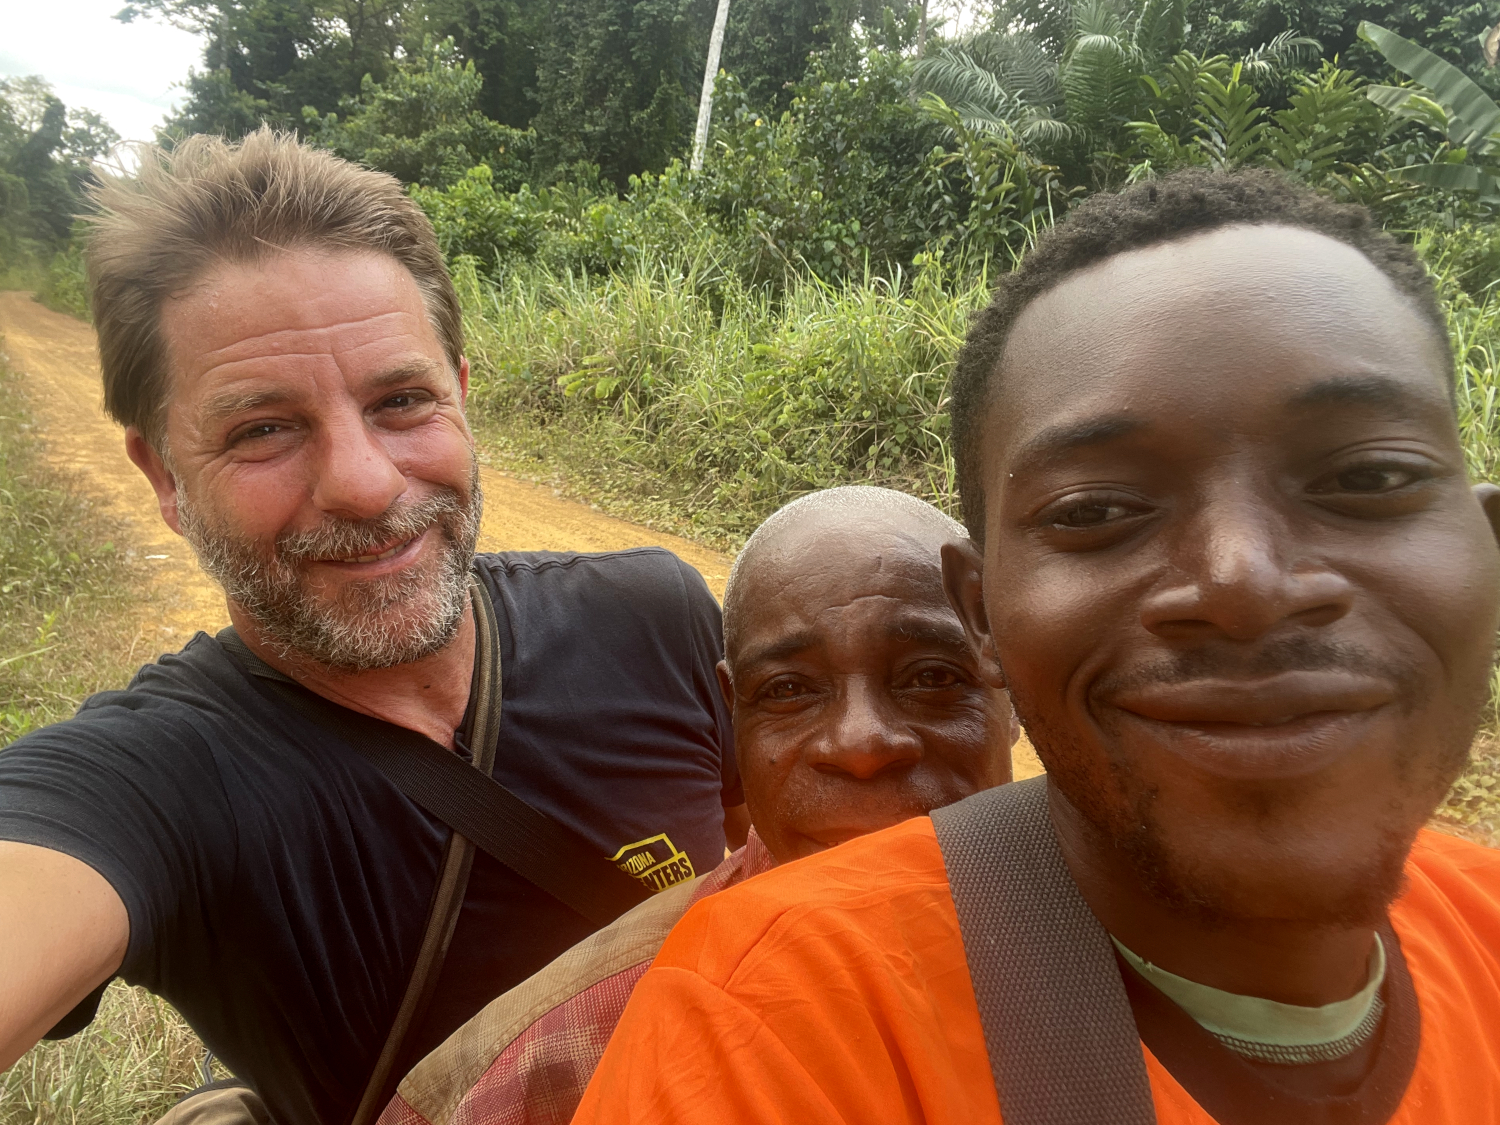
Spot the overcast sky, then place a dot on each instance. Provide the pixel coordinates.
(127, 73)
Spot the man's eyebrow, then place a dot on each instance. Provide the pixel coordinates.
(929, 633)
(1067, 436)
(414, 369)
(1355, 390)
(230, 403)
(789, 645)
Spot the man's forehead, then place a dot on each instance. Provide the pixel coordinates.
(296, 308)
(1256, 307)
(925, 623)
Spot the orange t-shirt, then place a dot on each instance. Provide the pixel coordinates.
(835, 990)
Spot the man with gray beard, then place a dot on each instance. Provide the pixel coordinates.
(283, 346)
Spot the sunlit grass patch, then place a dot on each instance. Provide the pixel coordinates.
(126, 1068)
(65, 584)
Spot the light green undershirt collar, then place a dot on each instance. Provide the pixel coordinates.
(1267, 1029)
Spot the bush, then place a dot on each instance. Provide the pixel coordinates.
(423, 125)
(720, 393)
(64, 286)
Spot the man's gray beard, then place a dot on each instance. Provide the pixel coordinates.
(376, 623)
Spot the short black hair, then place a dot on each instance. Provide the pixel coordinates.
(1177, 206)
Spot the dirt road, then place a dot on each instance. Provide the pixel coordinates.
(56, 353)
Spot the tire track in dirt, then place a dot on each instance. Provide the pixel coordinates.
(57, 356)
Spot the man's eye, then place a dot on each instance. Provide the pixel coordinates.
(937, 678)
(260, 430)
(1088, 513)
(400, 401)
(1375, 478)
(784, 689)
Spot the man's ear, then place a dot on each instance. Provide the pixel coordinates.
(726, 687)
(463, 380)
(1488, 496)
(963, 582)
(148, 461)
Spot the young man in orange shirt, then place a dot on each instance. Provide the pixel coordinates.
(1226, 559)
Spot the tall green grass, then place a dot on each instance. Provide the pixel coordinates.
(711, 404)
(126, 1068)
(65, 587)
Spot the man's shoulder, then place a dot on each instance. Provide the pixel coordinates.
(557, 1021)
(1451, 897)
(638, 573)
(175, 690)
(1451, 865)
(886, 892)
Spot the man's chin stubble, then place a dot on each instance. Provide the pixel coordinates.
(1123, 813)
(372, 624)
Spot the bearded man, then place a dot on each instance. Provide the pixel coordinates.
(282, 343)
(1226, 559)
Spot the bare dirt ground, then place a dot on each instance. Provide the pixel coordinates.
(57, 355)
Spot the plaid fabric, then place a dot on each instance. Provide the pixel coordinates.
(526, 1058)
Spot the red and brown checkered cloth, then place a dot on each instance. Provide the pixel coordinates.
(527, 1056)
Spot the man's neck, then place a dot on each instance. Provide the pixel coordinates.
(1308, 965)
(428, 696)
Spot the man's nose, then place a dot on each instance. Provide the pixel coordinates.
(356, 478)
(864, 734)
(1237, 573)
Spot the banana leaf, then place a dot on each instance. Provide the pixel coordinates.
(1403, 101)
(1473, 116)
(1454, 177)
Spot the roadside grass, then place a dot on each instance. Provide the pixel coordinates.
(65, 588)
(126, 1068)
(57, 282)
(64, 583)
(680, 398)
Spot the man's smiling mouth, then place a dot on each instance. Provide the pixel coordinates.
(380, 556)
(1265, 728)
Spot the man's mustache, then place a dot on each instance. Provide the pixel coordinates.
(350, 538)
(1227, 661)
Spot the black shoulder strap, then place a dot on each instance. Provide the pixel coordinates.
(1062, 1039)
(481, 729)
(541, 850)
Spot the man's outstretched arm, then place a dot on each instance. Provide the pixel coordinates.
(63, 930)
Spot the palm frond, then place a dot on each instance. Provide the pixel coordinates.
(956, 77)
(1015, 63)
(1276, 54)
(1160, 27)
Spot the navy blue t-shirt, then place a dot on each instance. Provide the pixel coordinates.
(277, 883)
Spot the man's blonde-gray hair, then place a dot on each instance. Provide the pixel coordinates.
(207, 202)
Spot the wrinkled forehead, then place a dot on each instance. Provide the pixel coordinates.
(1233, 320)
(823, 581)
(300, 302)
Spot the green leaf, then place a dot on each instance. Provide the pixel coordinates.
(1455, 177)
(1403, 101)
(1473, 116)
